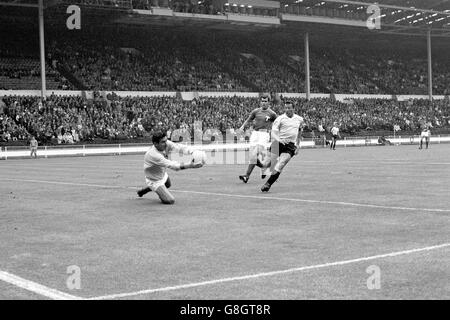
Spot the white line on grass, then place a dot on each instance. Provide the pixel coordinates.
(237, 196)
(314, 201)
(36, 287)
(113, 165)
(268, 274)
(66, 183)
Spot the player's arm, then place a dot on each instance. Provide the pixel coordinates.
(249, 119)
(273, 117)
(299, 138)
(159, 160)
(175, 165)
(299, 135)
(179, 148)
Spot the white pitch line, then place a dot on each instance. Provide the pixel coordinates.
(36, 287)
(315, 201)
(352, 204)
(66, 183)
(113, 166)
(268, 274)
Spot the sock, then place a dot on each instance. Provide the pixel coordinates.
(273, 177)
(259, 164)
(250, 169)
(145, 190)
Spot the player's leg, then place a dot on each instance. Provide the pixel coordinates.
(265, 171)
(164, 195)
(264, 154)
(143, 191)
(261, 159)
(253, 161)
(168, 183)
(147, 189)
(271, 158)
(427, 141)
(281, 163)
(421, 142)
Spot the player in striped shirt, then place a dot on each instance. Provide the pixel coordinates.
(156, 163)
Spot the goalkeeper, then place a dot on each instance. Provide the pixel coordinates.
(156, 163)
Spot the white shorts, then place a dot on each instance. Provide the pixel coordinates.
(424, 134)
(155, 184)
(261, 138)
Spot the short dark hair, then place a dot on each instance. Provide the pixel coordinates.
(288, 102)
(158, 136)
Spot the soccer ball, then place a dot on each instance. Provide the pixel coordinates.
(199, 156)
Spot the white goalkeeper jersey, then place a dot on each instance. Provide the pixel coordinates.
(156, 162)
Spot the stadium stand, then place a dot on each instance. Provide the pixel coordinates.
(127, 57)
(73, 119)
(172, 59)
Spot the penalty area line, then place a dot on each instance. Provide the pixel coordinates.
(312, 201)
(342, 203)
(36, 287)
(269, 274)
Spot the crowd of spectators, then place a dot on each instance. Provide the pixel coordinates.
(375, 114)
(167, 59)
(188, 6)
(10, 130)
(64, 119)
(198, 61)
(28, 72)
(149, 62)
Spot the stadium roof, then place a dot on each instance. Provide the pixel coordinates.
(409, 17)
(404, 17)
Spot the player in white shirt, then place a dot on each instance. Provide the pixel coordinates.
(334, 136)
(33, 147)
(156, 163)
(286, 142)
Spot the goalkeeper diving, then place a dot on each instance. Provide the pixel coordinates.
(156, 163)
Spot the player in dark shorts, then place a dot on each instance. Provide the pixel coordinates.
(334, 136)
(286, 142)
